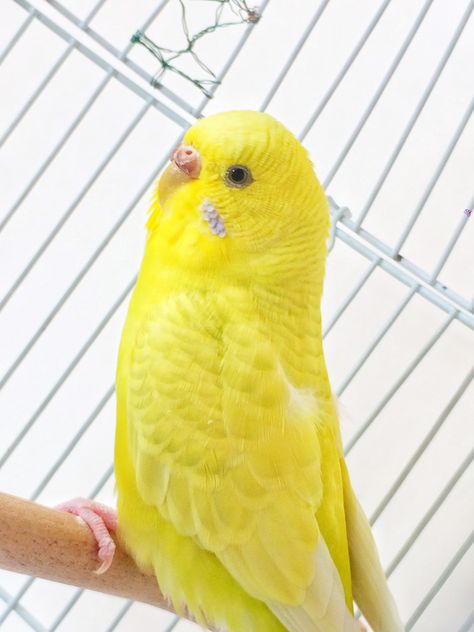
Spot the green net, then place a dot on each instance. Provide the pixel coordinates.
(168, 56)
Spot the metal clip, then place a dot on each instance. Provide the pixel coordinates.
(336, 213)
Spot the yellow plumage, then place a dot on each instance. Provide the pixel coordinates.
(230, 476)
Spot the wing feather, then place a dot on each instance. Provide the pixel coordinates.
(228, 451)
(324, 608)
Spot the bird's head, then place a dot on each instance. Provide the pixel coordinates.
(240, 190)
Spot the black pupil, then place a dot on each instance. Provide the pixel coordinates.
(237, 174)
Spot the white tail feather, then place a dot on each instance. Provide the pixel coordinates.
(369, 585)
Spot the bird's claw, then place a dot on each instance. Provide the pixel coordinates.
(100, 520)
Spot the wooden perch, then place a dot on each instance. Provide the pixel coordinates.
(48, 543)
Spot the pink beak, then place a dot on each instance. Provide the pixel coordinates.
(185, 165)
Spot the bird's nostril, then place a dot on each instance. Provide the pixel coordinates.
(187, 159)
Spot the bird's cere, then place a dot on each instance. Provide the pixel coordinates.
(212, 217)
(188, 160)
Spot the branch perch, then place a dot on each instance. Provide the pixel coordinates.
(44, 542)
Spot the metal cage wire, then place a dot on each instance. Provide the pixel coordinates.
(363, 263)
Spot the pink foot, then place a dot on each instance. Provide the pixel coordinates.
(100, 520)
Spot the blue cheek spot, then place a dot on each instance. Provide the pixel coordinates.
(212, 217)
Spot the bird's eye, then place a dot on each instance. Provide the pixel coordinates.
(238, 176)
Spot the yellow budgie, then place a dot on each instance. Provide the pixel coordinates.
(232, 486)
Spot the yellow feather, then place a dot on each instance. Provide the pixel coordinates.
(228, 457)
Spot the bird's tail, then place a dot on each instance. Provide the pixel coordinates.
(369, 585)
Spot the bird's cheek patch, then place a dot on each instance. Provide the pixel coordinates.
(212, 217)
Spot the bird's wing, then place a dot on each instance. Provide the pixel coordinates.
(369, 584)
(230, 456)
(324, 608)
